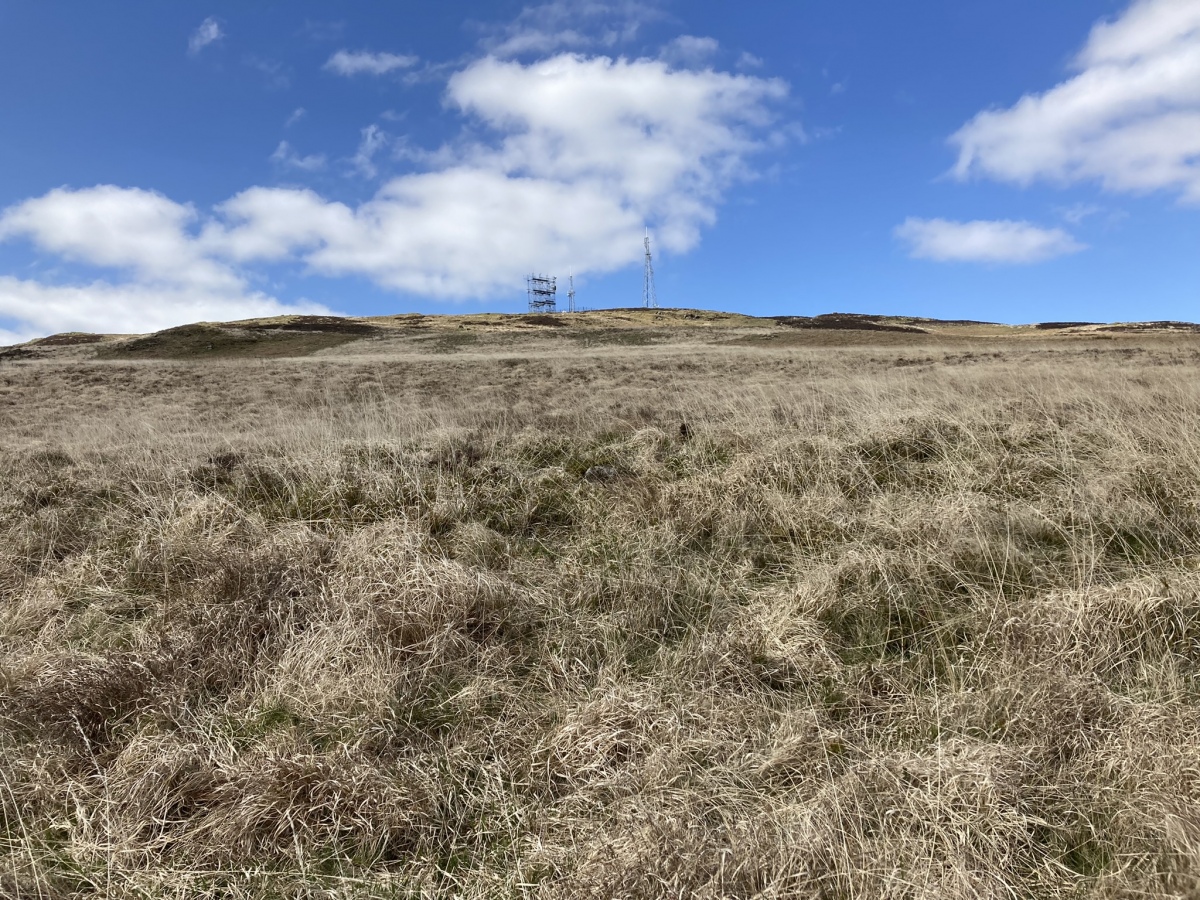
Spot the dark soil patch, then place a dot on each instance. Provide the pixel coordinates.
(847, 322)
(1053, 326)
(321, 324)
(13, 354)
(921, 321)
(627, 337)
(549, 321)
(1135, 327)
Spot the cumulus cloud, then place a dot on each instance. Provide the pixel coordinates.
(348, 63)
(140, 232)
(285, 155)
(1129, 118)
(168, 276)
(208, 32)
(590, 151)
(129, 308)
(571, 158)
(1004, 242)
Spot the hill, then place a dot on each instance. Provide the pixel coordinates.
(639, 605)
(299, 336)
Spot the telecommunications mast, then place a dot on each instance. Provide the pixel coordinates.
(649, 295)
(543, 293)
(571, 292)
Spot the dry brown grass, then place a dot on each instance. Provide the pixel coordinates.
(894, 621)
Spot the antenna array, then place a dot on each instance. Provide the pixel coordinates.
(543, 293)
(649, 294)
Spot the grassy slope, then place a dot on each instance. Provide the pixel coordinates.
(906, 621)
(301, 336)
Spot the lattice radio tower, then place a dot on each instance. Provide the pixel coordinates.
(649, 294)
(571, 293)
(543, 293)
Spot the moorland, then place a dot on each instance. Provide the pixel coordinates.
(615, 604)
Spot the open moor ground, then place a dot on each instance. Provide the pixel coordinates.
(907, 612)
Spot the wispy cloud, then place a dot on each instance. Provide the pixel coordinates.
(372, 140)
(278, 76)
(318, 30)
(1078, 212)
(285, 155)
(348, 63)
(689, 51)
(1001, 242)
(572, 25)
(208, 32)
(297, 114)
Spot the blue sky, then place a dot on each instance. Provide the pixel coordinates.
(1017, 161)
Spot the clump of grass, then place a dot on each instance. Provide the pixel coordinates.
(363, 628)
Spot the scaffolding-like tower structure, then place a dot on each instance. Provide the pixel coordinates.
(543, 293)
(571, 292)
(649, 294)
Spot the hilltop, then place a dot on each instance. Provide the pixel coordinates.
(299, 336)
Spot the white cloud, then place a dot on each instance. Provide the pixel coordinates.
(317, 30)
(138, 231)
(285, 155)
(373, 140)
(572, 25)
(348, 63)
(277, 75)
(171, 279)
(582, 153)
(590, 150)
(1078, 212)
(297, 114)
(1129, 118)
(207, 33)
(985, 241)
(132, 308)
(689, 51)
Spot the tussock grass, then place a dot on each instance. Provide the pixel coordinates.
(361, 628)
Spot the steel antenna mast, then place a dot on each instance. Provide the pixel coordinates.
(649, 294)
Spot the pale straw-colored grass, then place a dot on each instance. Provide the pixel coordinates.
(890, 622)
